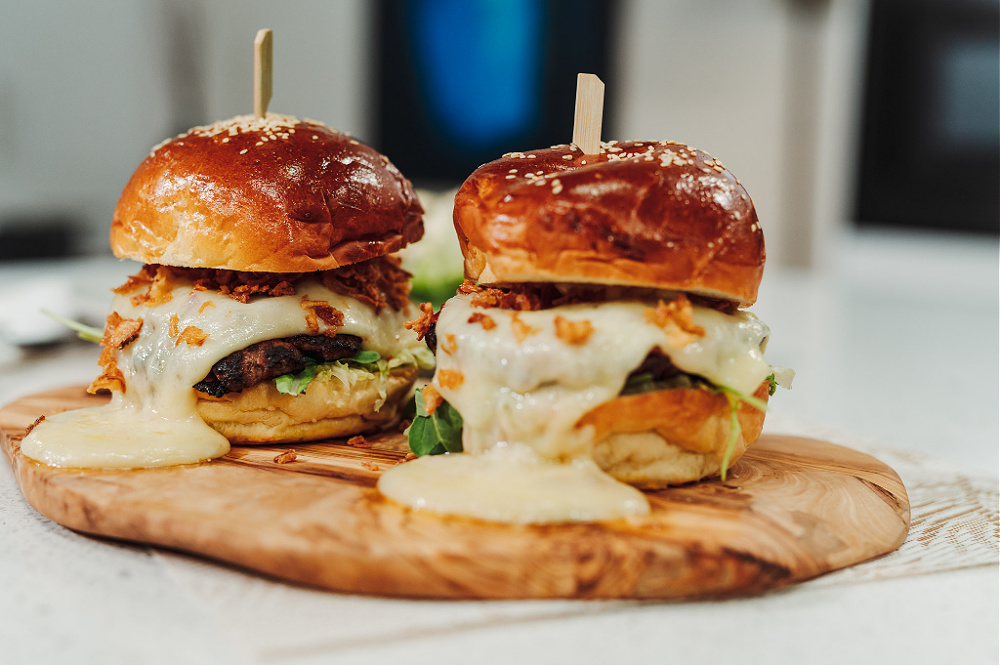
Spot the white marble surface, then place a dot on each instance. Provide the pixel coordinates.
(895, 346)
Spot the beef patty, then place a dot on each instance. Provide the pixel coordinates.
(273, 358)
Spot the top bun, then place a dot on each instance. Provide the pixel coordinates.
(273, 194)
(648, 214)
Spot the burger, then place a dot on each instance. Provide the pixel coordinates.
(269, 307)
(602, 326)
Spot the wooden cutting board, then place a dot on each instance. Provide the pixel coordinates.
(792, 509)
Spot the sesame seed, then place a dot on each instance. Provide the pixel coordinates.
(243, 152)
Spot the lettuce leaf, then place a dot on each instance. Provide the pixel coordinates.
(365, 365)
(295, 383)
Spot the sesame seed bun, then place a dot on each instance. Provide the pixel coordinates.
(276, 194)
(648, 214)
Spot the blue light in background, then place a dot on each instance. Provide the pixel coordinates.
(479, 63)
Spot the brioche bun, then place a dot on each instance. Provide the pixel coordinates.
(646, 214)
(327, 409)
(275, 194)
(651, 440)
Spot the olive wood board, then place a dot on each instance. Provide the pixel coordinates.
(791, 509)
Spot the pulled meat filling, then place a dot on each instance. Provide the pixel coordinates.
(545, 295)
(273, 358)
(379, 282)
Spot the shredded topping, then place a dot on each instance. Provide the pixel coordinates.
(118, 333)
(521, 329)
(192, 336)
(483, 320)
(359, 441)
(330, 315)
(422, 324)
(432, 399)
(676, 318)
(450, 379)
(450, 344)
(286, 457)
(573, 332)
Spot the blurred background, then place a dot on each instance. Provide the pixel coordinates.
(865, 130)
(831, 112)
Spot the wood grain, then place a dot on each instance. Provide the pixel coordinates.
(793, 509)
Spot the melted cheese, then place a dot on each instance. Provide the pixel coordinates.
(154, 422)
(530, 393)
(503, 485)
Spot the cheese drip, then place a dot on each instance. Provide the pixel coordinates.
(523, 387)
(154, 422)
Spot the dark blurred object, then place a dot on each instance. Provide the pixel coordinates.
(37, 236)
(459, 82)
(931, 126)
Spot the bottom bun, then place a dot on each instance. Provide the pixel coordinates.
(652, 440)
(328, 409)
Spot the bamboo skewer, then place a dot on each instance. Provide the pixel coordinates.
(589, 113)
(262, 49)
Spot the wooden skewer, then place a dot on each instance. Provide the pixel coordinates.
(589, 113)
(262, 72)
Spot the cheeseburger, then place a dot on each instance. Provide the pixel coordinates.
(600, 339)
(269, 307)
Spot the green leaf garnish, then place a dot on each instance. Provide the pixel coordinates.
(295, 383)
(734, 432)
(772, 384)
(365, 356)
(437, 433)
(84, 332)
(735, 398)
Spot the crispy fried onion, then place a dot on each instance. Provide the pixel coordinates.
(191, 335)
(573, 332)
(432, 399)
(379, 282)
(676, 318)
(118, 333)
(315, 310)
(422, 324)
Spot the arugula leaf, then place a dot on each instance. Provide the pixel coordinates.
(295, 384)
(84, 332)
(735, 399)
(734, 432)
(364, 356)
(437, 433)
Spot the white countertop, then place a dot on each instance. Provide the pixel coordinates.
(895, 346)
